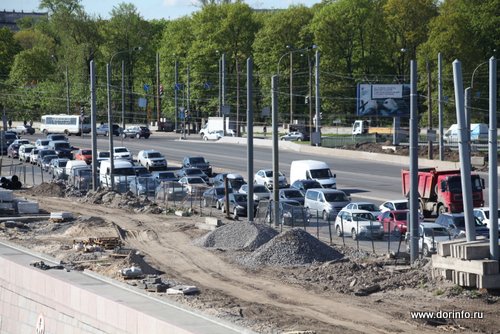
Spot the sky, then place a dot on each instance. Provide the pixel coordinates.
(149, 9)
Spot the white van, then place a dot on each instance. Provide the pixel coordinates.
(325, 203)
(478, 132)
(313, 170)
(71, 164)
(123, 174)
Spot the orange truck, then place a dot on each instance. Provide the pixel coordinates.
(441, 191)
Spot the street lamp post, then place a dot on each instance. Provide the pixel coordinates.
(468, 99)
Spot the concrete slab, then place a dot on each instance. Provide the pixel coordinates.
(480, 267)
(444, 247)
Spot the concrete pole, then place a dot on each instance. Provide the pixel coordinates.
(310, 96)
(291, 90)
(414, 235)
(430, 148)
(440, 106)
(93, 120)
(237, 98)
(188, 97)
(250, 139)
(223, 96)
(318, 101)
(67, 92)
(158, 99)
(468, 111)
(176, 102)
(220, 87)
(493, 163)
(274, 94)
(123, 98)
(464, 153)
(110, 127)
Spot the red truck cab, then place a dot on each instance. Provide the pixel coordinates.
(441, 191)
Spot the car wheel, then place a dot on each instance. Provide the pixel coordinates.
(425, 251)
(299, 139)
(354, 234)
(339, 231)
(325, 215)
(45, 132)
(66, 132)
(397, 231)
(137, 135)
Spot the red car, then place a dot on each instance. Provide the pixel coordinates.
(394, 221)
(85, 155)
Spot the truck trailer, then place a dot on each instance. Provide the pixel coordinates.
(441, 191)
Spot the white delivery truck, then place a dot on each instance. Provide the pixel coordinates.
(123, 174)
(478, 132)
(313, 170)
(217, 124)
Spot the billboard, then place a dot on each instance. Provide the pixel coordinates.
(383, 100)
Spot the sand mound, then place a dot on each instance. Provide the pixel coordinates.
(293, 247)
(50, 189)
(238, 236)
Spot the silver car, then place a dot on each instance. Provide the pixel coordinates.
(326, 203)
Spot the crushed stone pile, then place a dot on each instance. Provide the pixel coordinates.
(49, 189)
(118, 200)
(237, 236)
(293, 247)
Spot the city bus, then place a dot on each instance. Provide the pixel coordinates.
(67, 124)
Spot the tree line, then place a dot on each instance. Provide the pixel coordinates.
(360, 41)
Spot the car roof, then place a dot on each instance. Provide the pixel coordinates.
(397, 201)
(430, 225)
(355, 211)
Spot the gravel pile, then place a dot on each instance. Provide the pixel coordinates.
(237, 236)
(293, 247)
(49, 189)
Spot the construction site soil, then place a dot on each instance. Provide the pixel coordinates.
(250, 274)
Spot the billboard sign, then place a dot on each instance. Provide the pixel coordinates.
(383, 100)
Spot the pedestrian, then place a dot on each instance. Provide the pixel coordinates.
(265, 130)
(31, 122)
(10, 124)
(25, 123)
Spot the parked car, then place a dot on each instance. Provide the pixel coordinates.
(57, 168)
(144, 186)
(42, 144)
(368, 206)
(292, 194)
(399, 204)
(214, 196)
(62, 148)
(24, 129)
(34, 156)
(25, 152)
(325, 202)
(260, 192)
(198, 162)
(152, 159)
(85, 155)
(265, 177)
(21, 142)
(358, 224)
(290, 212)
(294, 136)
(80, 177)
(165, 176)
(455, 224)
(394, 221)
(102, 155)
(13, 151)
(56, 137)
(103, 130)
(234, 180)
(483, 214)
(194, 184)
(192, 172)
(6, 139)
(237, 205)
(47, 159)
(121, 152)
(213, 135)
(171, 191)
(303, 185)
(43, 153)
(136, 132)
(430, 234)
(141, 171)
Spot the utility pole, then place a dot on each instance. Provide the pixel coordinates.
(291, 90)
(250, 139)
(176, 105)
(309, 64)
(188, 97)
(237, 97)
(440, 104)
(220, 87)
(110, 127)
(493, 161)
(318, 102)
(67, 92)
(158, 99)
(274, 95)
(223, 96)
(413, 200)
(429, 113)
(123, 97)
(93, 120)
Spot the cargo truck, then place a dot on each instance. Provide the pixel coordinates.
(441, 191)
(217, 124)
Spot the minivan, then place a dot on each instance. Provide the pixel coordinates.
(313, 170)
(326, 203)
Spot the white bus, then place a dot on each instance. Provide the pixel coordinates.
(67, 124)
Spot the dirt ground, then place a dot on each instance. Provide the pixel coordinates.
(357, 293)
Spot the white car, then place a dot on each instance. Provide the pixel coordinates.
(25, 152)
(398, 204)
(152, 159)
(34, 156)
(358, 223)
(213, 135)
(368, 206)
(430, 234)
(265, 177)
(193, 183)
(42, 144)
(483, 214)
(260, 192)
(121, 152)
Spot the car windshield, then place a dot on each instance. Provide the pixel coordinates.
(324, 173)
(166, 175)
(367, 207)
(121, 150)
(436, 232)
(240, 197)
(22, 142)
(459, 222)
(292, 194)
(197, 160)
(310, 185)
(28, 149)
(196, 180)
(154, 155)
(44, 142)
(85, 172)
(363, 216)
(269, 173)
(400, 215)
(104, 154)
(236, 183)
(129, 171)
(193, 171)
(260, 189)
(61, 145)
(455, 184)
(401, 206)
(47, 158)
(220, 191)
(86, 152)
(62, 163)
(487, 214)
(335, 197)
(58, 138)
(47, 152)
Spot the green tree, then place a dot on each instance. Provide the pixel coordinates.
(9, 47)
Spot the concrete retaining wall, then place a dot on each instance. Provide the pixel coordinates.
(59, 301)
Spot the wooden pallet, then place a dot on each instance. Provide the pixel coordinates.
(107, 242)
